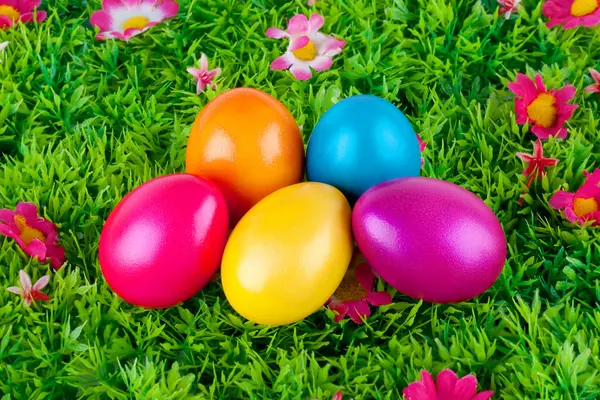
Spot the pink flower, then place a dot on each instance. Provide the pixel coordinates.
(124, 19)
(572, 13)
(355, 293)
(447, 386)
(507, 7)
(13, 11)
(311, 2)
(595, 88)
(30, 293)
(36, 236)
(548, 110)
(204, 76)
(422, 146)
(583, 205)
(308, 47)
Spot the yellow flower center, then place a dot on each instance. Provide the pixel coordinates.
(585, 206)
(28, 234)
(138, 22)
(350, 289)
(307, 53)
(543, 110)
(10, 12)
(581, 8)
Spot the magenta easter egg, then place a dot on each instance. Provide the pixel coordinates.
(430, 239)
(164, 241)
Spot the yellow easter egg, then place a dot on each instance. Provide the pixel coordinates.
(288, 254)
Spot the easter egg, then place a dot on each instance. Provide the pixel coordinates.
(249, 144)
(360, 142)
(288, 254)
(164, 240)
(430, 239)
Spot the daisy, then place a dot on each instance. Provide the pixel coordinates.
(422, 146)
(572, 13)
(308, 47)
(595, 88)
(508, 7)
(447, 386)
(36, 236)
(547, 110)
(124, 19)
(13, 11)
(204, 76)
(583, 205)
(355, 293)
(28, 292)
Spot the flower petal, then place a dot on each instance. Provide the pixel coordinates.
(539, 82)
(595, 75)
(358, 311)
(465, 388)
(102, 20)
(41, 283)
(342, 311)
(5, 22)
(298, 43)
(56, 254)
(283, 62)
(15, 290)
(337, 396)
(25, 281)
(276, 33)
(316, 22)
(561, 199)
(167, 8)
(195, 72)
(379, 298)
(446, 382)
(565, 94)
(484, 395)
(321, 63)
(36, 249)
(298, 25)
(364, 276)
(203, 62)
(28, 210)
(525, 157)
(301, 72)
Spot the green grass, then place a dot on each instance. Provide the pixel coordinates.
(83, 122)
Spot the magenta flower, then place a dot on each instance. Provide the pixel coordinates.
(572, 13)
(28, 292)
(595, 88)
(508, 7)
(355, 293)
(13, 11)
(204, 76)
(422, 146)
(547, 110)
(124, 19)
(308, 47)
(447, 386)
(583, 205)
(37, 237)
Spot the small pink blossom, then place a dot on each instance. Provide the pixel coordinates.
(308, 47)
(36, 236)
(595, 88)
(13, 11)
(124, 19)
(28, 292)
(583, 205)
(422, 146)
(355, 293)
(311, 2)
(572, 13)
(508, 7)
(547, 110)
(204, 76)
(447, 386)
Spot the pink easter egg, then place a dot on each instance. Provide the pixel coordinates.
(430, 239)
(164, 241)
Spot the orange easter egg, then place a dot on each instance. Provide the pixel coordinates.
(249, 145)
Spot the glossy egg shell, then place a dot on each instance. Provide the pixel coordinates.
(164, 240)
(249, 144)
(360, 142)
(288, 254)
(430, 239)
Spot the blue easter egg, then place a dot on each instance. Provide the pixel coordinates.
(360, 142)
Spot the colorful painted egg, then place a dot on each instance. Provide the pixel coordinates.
(288, 254)
(249, 144)
(164, 241)
(430, 239)
(360, 142)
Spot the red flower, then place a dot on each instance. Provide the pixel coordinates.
(507, 7)
(422, 146)
(36, 236)
(595, 88)
(536, 164)
(27, 291)
(13, 11)
(447, 386)
(583, 205)
(548, 110)
(355, 293)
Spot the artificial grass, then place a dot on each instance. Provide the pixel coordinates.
(83, 122)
